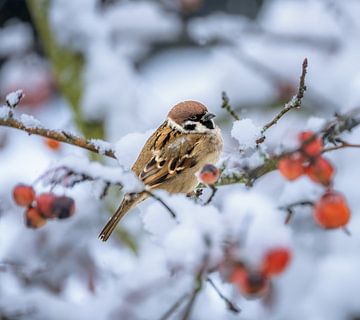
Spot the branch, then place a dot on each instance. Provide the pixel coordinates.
(213, 191)
(171, 211)
(342, 145)
(61, 136)
(174, 307)
(295, 103)
(290, 208)
(230, 305)
(226, 105)
(194, 294)
(330, 133)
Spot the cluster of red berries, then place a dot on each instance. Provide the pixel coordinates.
(42, 207)
(307, 161)
(331, 210)
(254, 283)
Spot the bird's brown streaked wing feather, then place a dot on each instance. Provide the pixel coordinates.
(172, 153)
(147, 152)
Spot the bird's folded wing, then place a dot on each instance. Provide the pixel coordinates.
(172, 152)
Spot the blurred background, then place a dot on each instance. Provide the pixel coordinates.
(108, 68)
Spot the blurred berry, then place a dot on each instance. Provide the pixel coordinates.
(312, 148)
(209, 174)
(291, 166)
(276, 260)
(23, 195)
(332, 211)
(320, 171)
(34, 219)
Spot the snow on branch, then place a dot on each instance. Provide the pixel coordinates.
(31, 125)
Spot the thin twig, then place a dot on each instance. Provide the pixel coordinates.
(157, 198)
(194, 294)
(295, 103)
(290, 208)
(174, 307)
(213, 191)
(342, 145)
(226, 105)
(230, 305)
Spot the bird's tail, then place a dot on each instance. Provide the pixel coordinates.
(129, 201)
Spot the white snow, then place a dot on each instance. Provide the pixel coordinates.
(101, 145)
(13, 98)
(4, 111)
(128, 147)
(246, 133)
(30, 121)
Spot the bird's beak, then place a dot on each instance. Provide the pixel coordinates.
(208, 116)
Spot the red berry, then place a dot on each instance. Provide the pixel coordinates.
(291, 166)
(209, 174)
(44, 204)
(320, 171)
(33, 218)
(332, 211)
(251, 284)
(53, 144)
(313, 147)
(63, 207)
(276, 261)
(23, 195)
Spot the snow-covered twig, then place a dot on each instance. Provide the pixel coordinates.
(330, 132)
(58, 135)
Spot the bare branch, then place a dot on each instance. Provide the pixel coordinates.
(230, 305)
(157, 198)
(194, 294)
(226, 105)
(174, 307)
(213, 191)
(290, 208)
(295, 103)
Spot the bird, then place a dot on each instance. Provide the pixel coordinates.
(186, 141)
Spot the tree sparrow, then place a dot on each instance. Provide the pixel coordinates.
(171, 157)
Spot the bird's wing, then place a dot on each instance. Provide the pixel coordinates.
(172, 152)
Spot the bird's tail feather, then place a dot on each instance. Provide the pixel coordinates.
(129, 201)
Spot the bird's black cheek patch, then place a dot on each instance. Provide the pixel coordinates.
(190, 127)
(208, 124)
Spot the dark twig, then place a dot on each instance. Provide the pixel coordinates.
(174, 307)
(342, 145)
(226, 105)
(171, 211)
(290, 208)
(194, 294)
(230, 305)
(213, 191)
(295, 103)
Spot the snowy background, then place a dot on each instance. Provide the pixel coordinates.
(137, 59)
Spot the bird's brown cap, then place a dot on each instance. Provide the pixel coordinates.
(186, 109)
